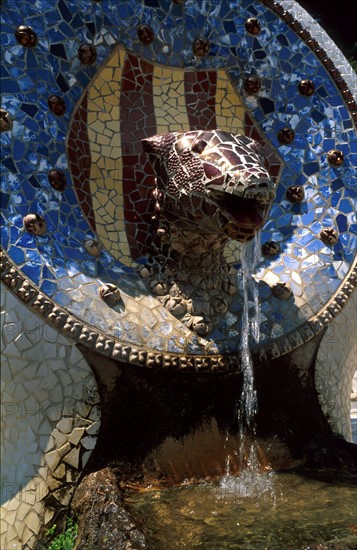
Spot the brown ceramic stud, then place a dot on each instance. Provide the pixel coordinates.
(201, 47)
(295, 194)
(92, 246)
(252, 84)
(87, 54)
(306, 87)
(146, 34)
(110, 294)
(56, 105)
(35, 224)
(329, 235)
(5, 121)
(286, 136)
(282, 291)
(335, 157)
(252, 25)
(57, 179)
(270, 248)
(26, 36)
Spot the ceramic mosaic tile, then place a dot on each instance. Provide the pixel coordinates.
(132, 86)
(336, 368)
(49, 420)
(83, 83)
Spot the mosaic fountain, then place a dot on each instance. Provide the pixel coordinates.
(144, 142)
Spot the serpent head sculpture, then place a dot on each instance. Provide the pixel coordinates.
(210, 186)
(211, 182)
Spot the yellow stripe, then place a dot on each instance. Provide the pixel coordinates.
(229, 106)
(169, 100)
(106, 182)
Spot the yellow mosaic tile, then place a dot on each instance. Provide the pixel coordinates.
(229, 106)
(232, 251)
(106, 153)
(169, 97)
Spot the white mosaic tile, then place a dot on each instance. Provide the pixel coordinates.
(47, 387)
(336, 365)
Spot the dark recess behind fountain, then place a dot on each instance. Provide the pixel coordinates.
(339, 20)
(141, 407)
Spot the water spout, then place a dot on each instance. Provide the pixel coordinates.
(250, 326)
(251, 479)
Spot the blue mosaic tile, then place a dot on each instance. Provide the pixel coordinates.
(39, 134)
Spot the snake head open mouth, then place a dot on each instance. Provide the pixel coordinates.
(242, 215)
(214, 180)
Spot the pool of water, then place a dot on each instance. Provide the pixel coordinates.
(251, 512)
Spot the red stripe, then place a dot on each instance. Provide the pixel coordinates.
(137, 120)
(80, 159)
(200, 95)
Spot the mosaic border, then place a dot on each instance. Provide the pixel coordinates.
(313, 44)
(71, 327)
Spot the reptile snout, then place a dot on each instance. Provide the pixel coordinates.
(212, 180)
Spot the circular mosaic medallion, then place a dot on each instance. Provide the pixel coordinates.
(78, 105)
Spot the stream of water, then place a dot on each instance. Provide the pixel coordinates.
(247, 404)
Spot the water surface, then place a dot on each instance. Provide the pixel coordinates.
(251, 512)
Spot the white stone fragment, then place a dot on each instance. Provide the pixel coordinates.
(52, 459)
(33, 522)
(65, 425)
(72, 458)
(59, 437)
(93, 429)
(76, 435)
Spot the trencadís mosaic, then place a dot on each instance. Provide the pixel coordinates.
(84, 82)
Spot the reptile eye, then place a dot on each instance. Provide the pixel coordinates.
(198, 146)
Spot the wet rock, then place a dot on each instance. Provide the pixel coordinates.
(104, 521)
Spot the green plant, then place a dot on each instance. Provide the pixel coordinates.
(66, 540)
